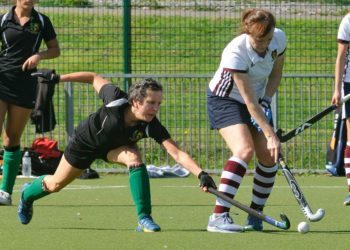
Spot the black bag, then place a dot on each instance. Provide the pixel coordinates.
(40, 166)
(43, 166)
(45, 156)
(336, 146)
(89, 174)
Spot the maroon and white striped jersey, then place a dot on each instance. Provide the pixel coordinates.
(239, 56)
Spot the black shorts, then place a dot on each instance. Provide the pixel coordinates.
(81, 156)
(19, 88)
(225, 111)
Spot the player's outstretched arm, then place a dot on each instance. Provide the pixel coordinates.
(187, 162)
(49, 76)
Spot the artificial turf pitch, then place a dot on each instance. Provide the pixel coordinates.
(99, 214)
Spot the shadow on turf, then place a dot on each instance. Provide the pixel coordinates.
(127, 229)
(277, 232)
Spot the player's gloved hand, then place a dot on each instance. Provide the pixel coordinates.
(265, 104)
(205, 180)
(48, 76)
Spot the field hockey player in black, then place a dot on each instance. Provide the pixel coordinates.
(111, 134)
(22, 30)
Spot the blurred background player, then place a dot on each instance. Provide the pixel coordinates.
(111, 134)
(342, 88)
(22, 31)
(238, 99)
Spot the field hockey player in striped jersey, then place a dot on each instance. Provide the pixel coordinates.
(342, 88)
(238, 99)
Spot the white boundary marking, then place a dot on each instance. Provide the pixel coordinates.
(81, 187)
(95, 187)
(276, 186)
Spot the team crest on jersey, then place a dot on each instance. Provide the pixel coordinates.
(34, 28)
(136, 136)
(274, 55)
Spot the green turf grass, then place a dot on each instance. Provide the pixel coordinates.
(102, 216)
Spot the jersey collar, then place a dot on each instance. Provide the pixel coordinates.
(254, 57)
(12, 10)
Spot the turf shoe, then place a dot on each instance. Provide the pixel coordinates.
(254, 223)
(347, 200)
(25, 209)
(5, 198)
(146, 224)
(223, 223)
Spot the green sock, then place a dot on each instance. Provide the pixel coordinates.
(140, 190)
(35, 190)
(11, 163)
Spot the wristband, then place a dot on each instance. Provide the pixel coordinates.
(201, 174)
(267, 99)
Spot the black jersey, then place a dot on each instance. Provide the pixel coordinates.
(18, 43)
(105, 130)
(21, 42)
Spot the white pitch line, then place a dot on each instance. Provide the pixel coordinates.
(94, 187)
(246, 186)
(84, 187)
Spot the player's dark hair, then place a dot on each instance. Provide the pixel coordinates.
(138, 91)
(257, 22)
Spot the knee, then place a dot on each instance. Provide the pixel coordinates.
(245, 153)
(51, 187)
(133, 160)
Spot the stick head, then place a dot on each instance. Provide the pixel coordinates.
(317, 216)
(286, 222)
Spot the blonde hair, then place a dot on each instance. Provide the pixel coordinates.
(257, 22)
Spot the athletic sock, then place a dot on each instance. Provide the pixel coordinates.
(347, 163)
(35, 190)
(11, 163)
(140, 190)
(264, 178)
(231, 178)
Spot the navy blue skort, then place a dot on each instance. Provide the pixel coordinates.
(225, 111)
(346, 106)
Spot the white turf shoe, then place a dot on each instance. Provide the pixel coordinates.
(347, 200)
(5, 198)
(223, 223)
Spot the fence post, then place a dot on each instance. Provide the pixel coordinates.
(127, 42)
(68, 89)
(274, 109)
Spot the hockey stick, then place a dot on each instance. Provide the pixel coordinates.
(309, 123)
(284, 224)
(299, 195)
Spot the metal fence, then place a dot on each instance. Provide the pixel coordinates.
(183, 112)
(183, 37)
(180, 43)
